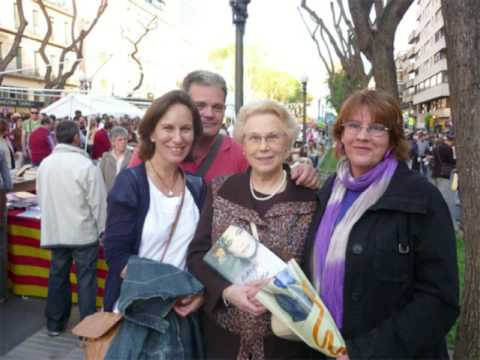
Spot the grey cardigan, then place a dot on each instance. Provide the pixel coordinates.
(108, 166)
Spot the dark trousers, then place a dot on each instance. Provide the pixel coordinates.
(59, 301)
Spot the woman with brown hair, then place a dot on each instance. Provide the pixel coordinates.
(382, 248)
(145, 200)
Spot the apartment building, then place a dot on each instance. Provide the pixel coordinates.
(26, 72)
(427, 84)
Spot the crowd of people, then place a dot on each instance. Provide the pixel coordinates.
(376, 240)
(433, 156)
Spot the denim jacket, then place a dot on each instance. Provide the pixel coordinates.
(151, 329)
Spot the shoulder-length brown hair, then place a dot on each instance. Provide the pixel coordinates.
(155, 113)
(384, 109)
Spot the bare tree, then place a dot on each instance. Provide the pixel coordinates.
(12, 52)
(462, 33)
(342, 42)
(75, 47)
(375, 39)
(150, 26)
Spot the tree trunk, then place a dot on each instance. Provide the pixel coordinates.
(463, 43)
(384, 71)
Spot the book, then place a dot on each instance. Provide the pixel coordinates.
(240, 258)
(292, 299)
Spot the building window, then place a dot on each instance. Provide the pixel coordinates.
(16, 16)
(19, 60)
(444, 77)
(66, 29)
(52, 37)
(35, 21)
(35, 63)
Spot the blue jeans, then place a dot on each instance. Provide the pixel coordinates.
(59, 301)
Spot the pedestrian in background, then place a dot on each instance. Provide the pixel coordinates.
(444, 163)
(382, 252)
(72, 197)
(112, 162)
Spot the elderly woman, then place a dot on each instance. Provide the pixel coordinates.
(153, 210)
(382, 249)
(112, 162)
(236, 325)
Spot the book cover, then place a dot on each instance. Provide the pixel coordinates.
(292, 299)
(240, 258)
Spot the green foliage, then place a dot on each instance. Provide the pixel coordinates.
(264, 80)
(428, 121)
(461, 275)
(341, 86)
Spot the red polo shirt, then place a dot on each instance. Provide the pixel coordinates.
(40, 146)
(229, 160)
(101, 144)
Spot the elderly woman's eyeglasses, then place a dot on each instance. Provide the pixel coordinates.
(272, 139)
(374, 129)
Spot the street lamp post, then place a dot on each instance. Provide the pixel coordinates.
(304, 81)
(240, 14)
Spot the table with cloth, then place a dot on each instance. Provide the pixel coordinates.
(28, 264)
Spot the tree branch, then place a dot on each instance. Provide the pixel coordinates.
(44, 43)
(16, 41)
(76, 46)
(329, 67)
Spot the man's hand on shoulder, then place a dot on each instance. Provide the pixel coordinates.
(305, 175)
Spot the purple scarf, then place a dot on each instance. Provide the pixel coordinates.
(331, 241)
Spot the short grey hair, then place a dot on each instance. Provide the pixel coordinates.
(265, 107)
(206, 78)
(118, 131)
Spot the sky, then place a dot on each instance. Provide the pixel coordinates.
(276, 27)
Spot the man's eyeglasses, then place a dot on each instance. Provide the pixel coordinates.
(34, 112)
(216, 108)
(272, 139)
(374, 129)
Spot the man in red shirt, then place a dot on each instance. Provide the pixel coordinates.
(101, 141)
(41, 141)
(208, 91)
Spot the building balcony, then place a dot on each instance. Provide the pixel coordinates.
(413, 37)
(410, 83)
(425, 73)
(411, 67)
(406, 97)
(411, 53)
(432, 93)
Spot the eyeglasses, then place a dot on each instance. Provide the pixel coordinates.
(375, 129)
(216, 108)
(272, 139)
(34, 112)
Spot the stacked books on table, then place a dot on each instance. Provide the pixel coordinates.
(21, 200)
(294, 303)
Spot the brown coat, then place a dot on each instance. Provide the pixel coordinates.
(282, 224)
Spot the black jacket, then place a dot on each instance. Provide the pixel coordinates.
(401, 279)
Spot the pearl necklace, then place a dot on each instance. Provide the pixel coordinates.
(275, 192)
(170, 192)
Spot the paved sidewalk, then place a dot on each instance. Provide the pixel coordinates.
(41, 346)
(23, 335)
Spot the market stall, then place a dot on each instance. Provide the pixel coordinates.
(29, 264)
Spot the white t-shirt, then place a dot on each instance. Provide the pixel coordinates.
(158, 224)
